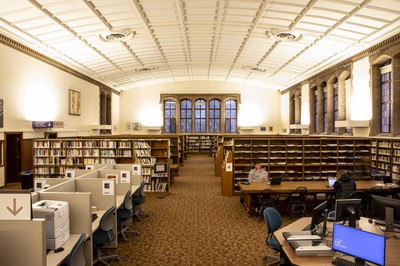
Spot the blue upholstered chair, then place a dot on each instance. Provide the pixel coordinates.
(124, 213)
(104, 235)
(76, 256)
(137, 201)
(274, 221)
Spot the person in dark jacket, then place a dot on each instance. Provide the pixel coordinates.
(344, 185)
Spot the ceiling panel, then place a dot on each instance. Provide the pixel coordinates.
(199, 40)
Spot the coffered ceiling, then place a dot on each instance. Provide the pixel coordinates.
(270, 43)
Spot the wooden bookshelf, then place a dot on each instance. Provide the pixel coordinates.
(201, 144)
(226, 175)
(298, 159)
(385, 157)
(52, 156)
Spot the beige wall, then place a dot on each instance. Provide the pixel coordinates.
(259, 106)
(33, 90)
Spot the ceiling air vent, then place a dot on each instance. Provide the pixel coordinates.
(145, 69)
(117, 36)
(254, 69)
(284, 36)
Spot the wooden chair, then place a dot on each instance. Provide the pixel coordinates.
(297, 199)
(267, 198)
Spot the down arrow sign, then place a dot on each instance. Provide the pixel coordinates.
(14, 211)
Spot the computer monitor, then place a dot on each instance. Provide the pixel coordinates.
(379, 205)
(160, 168)
(348, 209)
(318, 215)
(362, 245)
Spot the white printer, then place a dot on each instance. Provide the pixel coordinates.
(56, 214)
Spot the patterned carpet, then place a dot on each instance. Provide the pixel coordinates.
(195, 225)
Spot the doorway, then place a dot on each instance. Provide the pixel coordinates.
(13, 157)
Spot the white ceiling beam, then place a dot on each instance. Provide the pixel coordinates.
(216, 37)
(181, 10)
(145, 21)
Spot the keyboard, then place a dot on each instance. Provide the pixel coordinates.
(342, 262)
(94, 217)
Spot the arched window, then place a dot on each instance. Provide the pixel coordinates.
(325, 110)
(200, 116)
(169, 116)
(214, 116)
(230, 116)
(386, 90)
(316, 110)
(186, 116)
(336, 105)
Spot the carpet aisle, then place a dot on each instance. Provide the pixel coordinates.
(195, 225)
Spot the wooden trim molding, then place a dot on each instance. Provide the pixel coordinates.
(28, 51)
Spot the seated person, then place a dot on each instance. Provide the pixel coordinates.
(344, 184)
(258, 174)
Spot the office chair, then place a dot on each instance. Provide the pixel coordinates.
(274, 221)
(104, 236)
(137, 201)
(125, 213)
(267, 198)
(364, 200)
(297, 199)
(76, 256)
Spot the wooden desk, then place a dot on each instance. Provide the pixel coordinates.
(53, 259)
(313, 187)
(392, 245)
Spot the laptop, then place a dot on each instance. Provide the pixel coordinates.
(331, 181)
(275, 181)
(387, 179)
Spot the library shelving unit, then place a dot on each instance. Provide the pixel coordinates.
(385, 156)
(159, 150)
(303, 158)
(227, 174)
(201, 144)
(174, 151)
(52, 156)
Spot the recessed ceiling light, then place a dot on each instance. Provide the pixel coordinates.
(284, 35)
(117, 36)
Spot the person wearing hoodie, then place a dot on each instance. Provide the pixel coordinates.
(344, 185)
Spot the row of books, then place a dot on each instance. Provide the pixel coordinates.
(141, 153)
(141, 145)
(156, 186)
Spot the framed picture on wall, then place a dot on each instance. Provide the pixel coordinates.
(74, 102)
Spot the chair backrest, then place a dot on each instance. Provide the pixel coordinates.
(128, 200)
(374, 189)
(299, 193)
(273, 219)
(141, 189)
(356, 195)
(107, 220)
(76, 256)
(267, 196)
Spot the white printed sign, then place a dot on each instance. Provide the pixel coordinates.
(16, 206)
(108, 187)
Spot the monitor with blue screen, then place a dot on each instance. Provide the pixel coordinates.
(362, 245)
